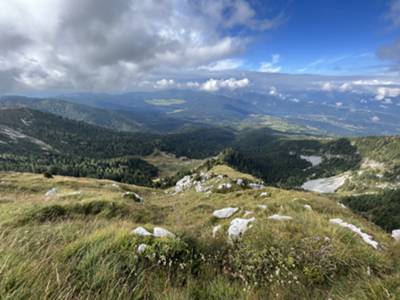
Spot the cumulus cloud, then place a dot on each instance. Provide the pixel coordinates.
(271, 66)
(223, 65)
(375, 119)
(382, 88)
(273, 91)
(327, 86)
(386, 92)
(209, 85)
(341, 87)
(164, 83)
(102, 44)
(373, 82)
(213, 85)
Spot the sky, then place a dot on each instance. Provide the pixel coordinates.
(122, 45)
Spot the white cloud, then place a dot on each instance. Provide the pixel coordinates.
(164, 83)
(102, 44)
(342, 87)
(272, 66)
(273, 91)
(327, 86)
(383, 89)
(373, 82)
(385, 92)
(346, 87)
(193, 84)
(213, 85)
(222, 65)
(375, 119)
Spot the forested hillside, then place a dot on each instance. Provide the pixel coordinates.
(74, 111)
(35, 141)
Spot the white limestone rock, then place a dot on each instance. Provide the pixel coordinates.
(239, 181)
(225, 212)
(264, 194)
(51, 193)
(200, 188)
(262, 206)
(141, 231)
(256, 186)
(396, 234)
(308, 207)
(184, 184)
(161, 232)
(278, 217)
(315, 160)
(114, 185)
(141, 248)
(238, 227)
(225, 186)
(366, 237)
(215, 230)
(134, 196)
(205, 176)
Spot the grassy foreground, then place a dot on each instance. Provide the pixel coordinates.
(80, 246)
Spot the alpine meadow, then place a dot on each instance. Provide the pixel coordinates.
(200, 150)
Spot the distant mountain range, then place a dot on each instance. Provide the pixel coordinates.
(178, 110)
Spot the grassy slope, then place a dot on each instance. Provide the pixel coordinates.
(380, 166)
(169, 164)
(81, 246)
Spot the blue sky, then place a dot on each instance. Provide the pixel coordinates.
(327, 37)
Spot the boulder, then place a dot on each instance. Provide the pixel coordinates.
(51, 193)
(200, 188)
(256, 186)
(366, 237)
(141, 248)
(238, 227)
(183, 184)
(396, 234)
(133, 196)
(114, 185)
(278, 217)
(215, 230)
(161, 232)
(141, 231)
(225, 212)
(225, 186)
